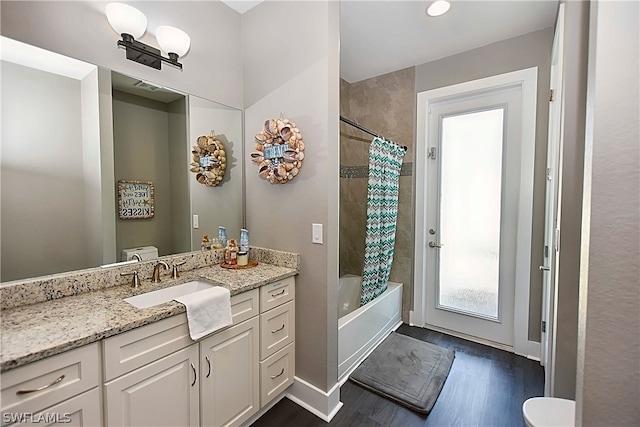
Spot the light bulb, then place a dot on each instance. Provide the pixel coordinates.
(173, 40)
(125, 19)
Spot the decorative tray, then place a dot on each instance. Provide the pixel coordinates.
(252, 263)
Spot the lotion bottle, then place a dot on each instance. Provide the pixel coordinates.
(231, 253)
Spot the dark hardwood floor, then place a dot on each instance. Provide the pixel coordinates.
(486, 387)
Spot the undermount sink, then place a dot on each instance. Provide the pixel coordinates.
(160, 296)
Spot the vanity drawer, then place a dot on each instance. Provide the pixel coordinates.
(276, 373)
(244, 306)
(130, 350)
(52, 380)
(277, 329)
(274, 294)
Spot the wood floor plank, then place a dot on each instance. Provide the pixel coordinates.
(486, 387)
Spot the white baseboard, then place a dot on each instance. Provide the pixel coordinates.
(533, 350)
(324, 405)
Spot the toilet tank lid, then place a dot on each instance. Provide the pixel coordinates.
(549, 412)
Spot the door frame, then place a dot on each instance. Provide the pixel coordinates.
(552, 214)
(527, 80)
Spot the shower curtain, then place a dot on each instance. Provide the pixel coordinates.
(385, 162)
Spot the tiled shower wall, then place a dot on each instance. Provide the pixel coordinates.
(387, 105)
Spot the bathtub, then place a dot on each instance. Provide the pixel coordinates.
(361, 329)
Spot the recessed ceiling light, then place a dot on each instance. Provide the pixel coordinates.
(438, 8)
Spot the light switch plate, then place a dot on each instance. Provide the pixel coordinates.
(316, 233)
(195, 222)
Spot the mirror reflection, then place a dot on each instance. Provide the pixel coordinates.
(70, 133)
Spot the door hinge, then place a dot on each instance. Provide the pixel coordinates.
(432, 153)
(551, 95)
(548, 174)
(544, 326)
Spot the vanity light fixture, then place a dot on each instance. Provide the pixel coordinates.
(438, 8)
(130, 23)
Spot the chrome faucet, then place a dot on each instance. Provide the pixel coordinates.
(156, 271)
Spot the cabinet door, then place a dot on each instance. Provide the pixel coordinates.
(162, 393)
(80, 411)
(230, 377)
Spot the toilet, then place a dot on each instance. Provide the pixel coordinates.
(549, 412)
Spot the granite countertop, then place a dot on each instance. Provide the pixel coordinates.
(33, 332)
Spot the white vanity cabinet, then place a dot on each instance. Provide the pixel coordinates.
(60, 389)
(157, 376)
(277, 334)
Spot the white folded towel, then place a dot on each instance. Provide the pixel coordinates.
(207, 311)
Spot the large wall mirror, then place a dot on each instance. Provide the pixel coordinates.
(70, 132)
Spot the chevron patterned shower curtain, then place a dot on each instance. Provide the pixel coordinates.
(385, 162)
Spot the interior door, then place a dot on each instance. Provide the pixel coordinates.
(552, 211)
(473, 184)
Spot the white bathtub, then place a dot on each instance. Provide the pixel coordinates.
(361, 329)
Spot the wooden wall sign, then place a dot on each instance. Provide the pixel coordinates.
(135, 199)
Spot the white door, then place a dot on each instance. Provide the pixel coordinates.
(474, 209)
(552, 211)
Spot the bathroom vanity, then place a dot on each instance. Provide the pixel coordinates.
(95, 359)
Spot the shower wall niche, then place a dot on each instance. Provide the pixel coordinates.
(386, 105)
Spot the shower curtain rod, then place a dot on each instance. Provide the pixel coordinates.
(364, 129)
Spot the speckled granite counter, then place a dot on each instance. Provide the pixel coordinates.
(33, 332)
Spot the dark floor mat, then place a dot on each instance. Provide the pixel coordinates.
(406, 370)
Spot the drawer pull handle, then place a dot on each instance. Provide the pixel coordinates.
(279, 293)
(60, 378)
(195, 375)
(273, 377)
(209, 365)
(273, 331)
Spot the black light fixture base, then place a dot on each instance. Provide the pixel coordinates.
(145, 54)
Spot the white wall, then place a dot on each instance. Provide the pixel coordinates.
(212, 68)
(42, 191)
(608, 391)
(221, 205)
(141, 153)
(304, 84)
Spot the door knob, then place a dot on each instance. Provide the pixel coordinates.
(433, 244)
(544, 268)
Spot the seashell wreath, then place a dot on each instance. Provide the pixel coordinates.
(280, 151)
(209, 160)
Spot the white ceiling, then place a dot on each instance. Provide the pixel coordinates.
(381, 36)
(241, 5)
(378, 37)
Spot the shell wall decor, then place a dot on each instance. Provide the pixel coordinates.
(209, 160)
(279, 150)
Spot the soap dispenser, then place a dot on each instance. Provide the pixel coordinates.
(244, 240)
(222, 235)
